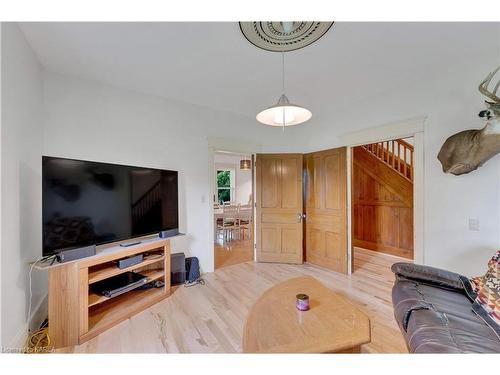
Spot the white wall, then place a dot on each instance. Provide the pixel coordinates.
(451, 104)
(84, 118)
(92, 121)
(21, 149)
(1, 179)
(87, 120)
(243, 178)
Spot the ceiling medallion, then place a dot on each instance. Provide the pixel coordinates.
(280, 36)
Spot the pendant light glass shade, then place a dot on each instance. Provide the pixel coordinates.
(284, 114)
(245, 164)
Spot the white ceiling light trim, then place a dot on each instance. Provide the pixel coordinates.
(284, 113)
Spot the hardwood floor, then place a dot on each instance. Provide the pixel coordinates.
(209, 318)
(232, 252)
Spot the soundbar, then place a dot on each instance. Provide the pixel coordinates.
(64, 256)
(168, 233)
(129, 261)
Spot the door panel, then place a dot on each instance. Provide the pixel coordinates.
(278, 217)
(311, 168)
(332, 242)
(332, 171)
(279, 208)
(313, 237)
(291, 244)
(270, 174)
(270, 240)
(325, 203)
(290, 195)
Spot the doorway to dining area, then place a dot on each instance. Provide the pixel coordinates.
(233, 208)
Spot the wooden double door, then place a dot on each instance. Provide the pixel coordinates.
(301, 208)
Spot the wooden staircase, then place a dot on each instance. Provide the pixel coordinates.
(382, 197)
(397, 154)
(147, 209)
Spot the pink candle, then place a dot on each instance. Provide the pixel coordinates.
(302, 302)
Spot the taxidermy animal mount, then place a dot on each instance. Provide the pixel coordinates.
(466, 151)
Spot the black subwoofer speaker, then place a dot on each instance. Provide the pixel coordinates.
(192, 269)
(177, 268)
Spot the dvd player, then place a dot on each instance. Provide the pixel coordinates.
(119, 284)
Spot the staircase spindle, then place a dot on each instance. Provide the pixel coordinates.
(411, 165)
(385, 151)
(399, 158)
(404, 159)
(393, 154)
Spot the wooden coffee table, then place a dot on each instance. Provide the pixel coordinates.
(332, 325)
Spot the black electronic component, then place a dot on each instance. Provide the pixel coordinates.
(119, 284)
(130, 261)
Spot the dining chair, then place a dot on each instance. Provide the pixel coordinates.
(244, 219)
(229, 221)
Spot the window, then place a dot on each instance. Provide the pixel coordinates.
(225, 185)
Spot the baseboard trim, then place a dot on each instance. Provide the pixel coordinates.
(384, 249)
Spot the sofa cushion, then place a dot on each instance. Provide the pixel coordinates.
(484, 291)
(436, 320)
(426, 274)
(435, 332)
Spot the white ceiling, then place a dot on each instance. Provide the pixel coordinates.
(229, 158)
(213, 65)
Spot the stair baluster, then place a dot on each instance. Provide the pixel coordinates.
(389, 152)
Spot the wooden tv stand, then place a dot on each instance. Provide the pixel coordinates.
(76, 314)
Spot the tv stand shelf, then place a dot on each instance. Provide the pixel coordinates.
(153, 275)
(76, 314)
(112, 270)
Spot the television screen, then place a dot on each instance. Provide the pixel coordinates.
(86, 203)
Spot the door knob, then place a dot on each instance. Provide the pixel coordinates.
(299, 217)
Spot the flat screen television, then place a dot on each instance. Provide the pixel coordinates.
(89, 203)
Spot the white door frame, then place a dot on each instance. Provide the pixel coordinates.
(402, 129)
(233, 146)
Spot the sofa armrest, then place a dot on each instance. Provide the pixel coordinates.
(426, 274)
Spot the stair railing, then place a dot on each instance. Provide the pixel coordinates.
(397, 154)
(149, 199)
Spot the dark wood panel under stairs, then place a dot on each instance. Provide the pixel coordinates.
(382, 198)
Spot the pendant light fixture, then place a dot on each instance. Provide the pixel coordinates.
(245, 164)
(284, 113)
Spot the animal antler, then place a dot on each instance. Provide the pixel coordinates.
(483, 87)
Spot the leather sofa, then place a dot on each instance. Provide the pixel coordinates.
(434, 313)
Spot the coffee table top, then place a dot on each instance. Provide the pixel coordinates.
(332, 324)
